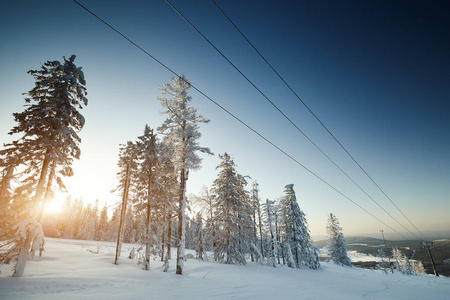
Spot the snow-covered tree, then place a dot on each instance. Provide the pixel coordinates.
(190, 233)
(167, 190)
(146, 183)
(199, 239)
(232, 214)
(77, 217)
(88, 225)
(102, 224)
(257, 221)
(269, 214)
(298, 245)
(129, 226)
(383, 263)
(418, 267)
(127, 171)
(113, 225)
(182, 134)
(49, 142)
(206, 203)
(337, 247)
(404, 264)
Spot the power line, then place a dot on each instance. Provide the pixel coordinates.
(317, 118)
(287, 118)
(239, 120)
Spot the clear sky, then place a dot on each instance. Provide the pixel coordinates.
(377, 73)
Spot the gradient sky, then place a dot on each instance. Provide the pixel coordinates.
(377, 73)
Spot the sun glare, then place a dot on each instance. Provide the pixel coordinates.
(53, 207)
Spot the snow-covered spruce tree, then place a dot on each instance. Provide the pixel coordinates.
(127, 171)
(418, 267)
(206, 202)
(199, 240)
(64, 221)
(232, 214)
(77, 213)
(277, 218)
(269, 214)
(337, 247)
(146, 184)
(298, 245)
(129, 226)
(257, 222)
(182, 134)
(88, 224)
(189, 234)
(401, 262)
(113, 225)
(102, 224)
(48, 144)
(167, 191)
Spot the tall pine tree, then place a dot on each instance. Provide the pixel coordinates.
(49, 142)
(182, 134)
(146, 183)
(127, 172)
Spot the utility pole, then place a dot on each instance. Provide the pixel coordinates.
(389, 257)
(429, 246)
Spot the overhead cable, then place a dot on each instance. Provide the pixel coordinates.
(238, 119)
(317, 118)
(288, 119)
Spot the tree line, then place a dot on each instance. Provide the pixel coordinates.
(153, 171)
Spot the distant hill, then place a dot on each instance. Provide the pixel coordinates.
(355, 240)
(368, 245)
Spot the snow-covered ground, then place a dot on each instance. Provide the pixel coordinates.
(353, 255)
(70, 270)
(356, 256)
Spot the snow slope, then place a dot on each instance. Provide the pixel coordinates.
(69, 270)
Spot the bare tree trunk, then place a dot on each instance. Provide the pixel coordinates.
(39, 240)
(168, 241)
(164, 231)
(19, 269)
(254, 231)
(260, 230)
(278, 241)
(181, 224)
(213, 226)
(122, 216)
(147, 233)
(169, 238)
(257, 210)
(272, 235)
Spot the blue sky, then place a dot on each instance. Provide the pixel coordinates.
(376, 73)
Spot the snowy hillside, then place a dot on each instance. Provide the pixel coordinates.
(70, 269)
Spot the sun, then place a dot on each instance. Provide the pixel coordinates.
(53, 207)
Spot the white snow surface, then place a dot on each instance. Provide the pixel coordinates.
(69, 270)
